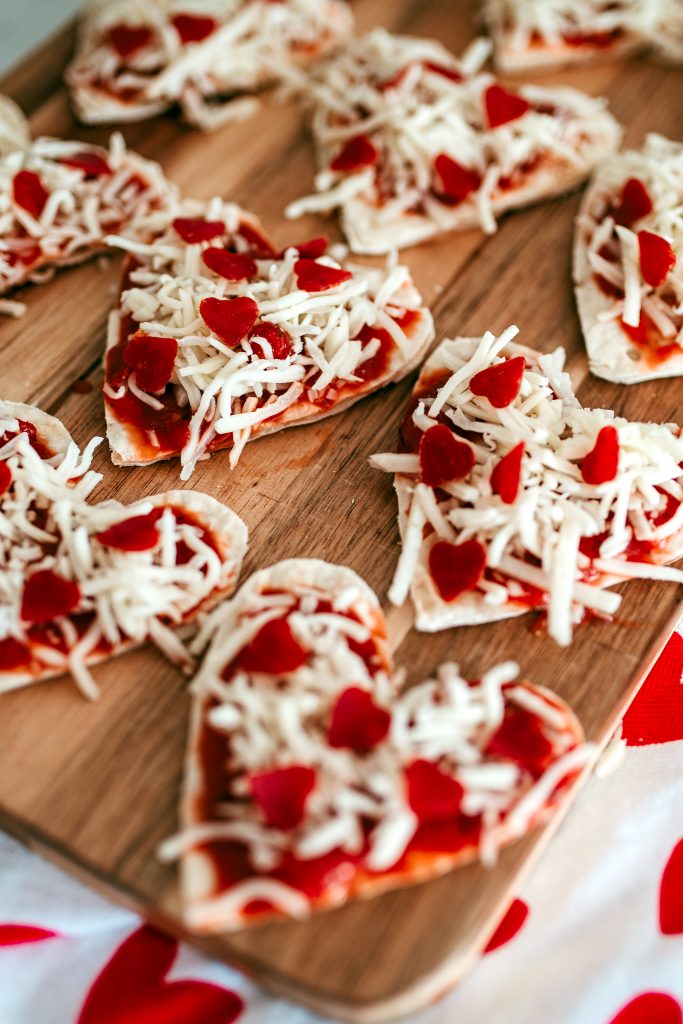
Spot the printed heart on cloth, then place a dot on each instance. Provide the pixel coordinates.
(656, 714)
(511, 924)
(650, 1008)
(356, 785)
(133, 989)
(21, 934)
(671, 894)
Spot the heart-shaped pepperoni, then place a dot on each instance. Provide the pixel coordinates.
(456, 568)
(277, 337)
(453, 181)
(128, 39)
(312, 276)
(282, 794)
(229, 319)
(356, 154)
(441, 69)
(520, 738)
(314, 248)
(432, 794)
(233, 266)
(506, 476)
(357, 722)
(47, 595)
(13, 654)
(153, 360)
(29, 192)
(650, 1008)
(192, 28)
(634, 203)
(443, 458)
(139, 533)
(512, 923)
(5, 478)
(274, 650)
(601, 464)
(657, 258)
(656, 714)
(499, 383)
(194, 230)
(671, 894)
(92, 164)
(503, 106)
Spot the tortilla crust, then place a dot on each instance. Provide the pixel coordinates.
(203, 912)
(230, 535)
(369, 234)
(51, 432)
(514, 60)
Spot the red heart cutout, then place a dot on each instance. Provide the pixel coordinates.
(499, 383)
(29, 192)
(656, 714)
(443, 457)
(357, 153)
(229, 319)
(512, 923)
(650, 1008)
(233, 266)
(92, 164)
(601, 464)
(132, 989)
(657, 257)
(456, 568)
(153, 360)
(357, 722)
(455, 181)
(19, 934)
(671, 894)
(47, 595)
(503, 106)
(507, 475)
(312, 276)
(634, 203)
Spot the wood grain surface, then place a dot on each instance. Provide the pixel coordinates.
(95, 786)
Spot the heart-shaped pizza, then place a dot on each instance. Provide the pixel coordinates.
(628, 264)
(137, 60)
(513, 497)
(219, 338)
(80, 582)
(312, 778)
(59, 199)
(413, 142)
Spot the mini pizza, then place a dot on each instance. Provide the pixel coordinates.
(58, 200)
(81, 582)
(413, 143)
(628, 264)
(311, 780)
(512, 497)
(136, 60)
(220, 339)
(532, 35)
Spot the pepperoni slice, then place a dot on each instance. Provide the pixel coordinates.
(634, 203)
(357, 722)
(47, 595)
(499, 383)
(5, 478)
(139, 533)
(314, 248)
(602, 462)
(233, 266)
(520, 738)
(503, 106)
(442, 69)
(443, 457)
(279, 340)
(274, 650)
(192, 28)
(356, 154)
(92, 164)
(153, 360)
(312, 276)
(194, 230)
(282, 794)
(13, 654)
(229, 319)
(456, 568)
(507, 475)
(128, 39)
(29, 192)
(657, 258)
(454, 182)
(432, 794)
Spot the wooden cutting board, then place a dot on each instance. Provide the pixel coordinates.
(95, 787)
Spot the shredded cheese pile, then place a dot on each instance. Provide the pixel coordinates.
(423, 114)
(659, 166)
(47, 523)
(553, 20)
(79, 210)
(253, 43)
(535, 540)
(359, 804)
(232, 391)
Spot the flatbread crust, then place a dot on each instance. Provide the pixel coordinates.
(206, 911)
(50, 431)
(510, 59)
